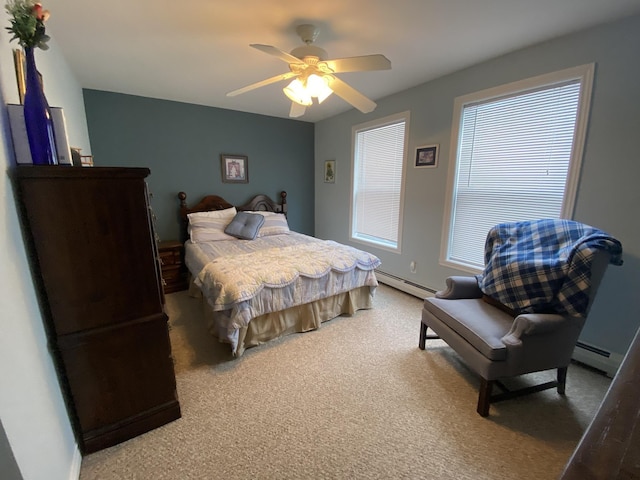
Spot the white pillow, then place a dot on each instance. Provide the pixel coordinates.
(274, 224)
(209, 226)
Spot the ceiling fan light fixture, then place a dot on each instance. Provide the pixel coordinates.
(318, 87)
(297, 92)
(313, 74)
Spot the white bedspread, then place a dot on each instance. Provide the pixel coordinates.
(248, 278)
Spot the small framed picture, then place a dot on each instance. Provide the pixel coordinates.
(330, 171)
(235, 168)
(86, 160)
(18, 59)
(426, 156)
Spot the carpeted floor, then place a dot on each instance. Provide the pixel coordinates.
(355, 399)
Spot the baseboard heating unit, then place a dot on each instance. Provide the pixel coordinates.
(404, 285)
(597, 358)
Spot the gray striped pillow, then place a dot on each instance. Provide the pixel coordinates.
(274, 224)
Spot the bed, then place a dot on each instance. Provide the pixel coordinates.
(259, 280)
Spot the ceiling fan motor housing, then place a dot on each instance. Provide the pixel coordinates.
(308, 34)
(310, 51)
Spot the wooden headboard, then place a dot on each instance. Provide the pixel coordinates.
(214, 202)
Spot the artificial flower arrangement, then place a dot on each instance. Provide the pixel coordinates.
(27, 23)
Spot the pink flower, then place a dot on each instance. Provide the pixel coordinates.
(39, 13)
(27, 23)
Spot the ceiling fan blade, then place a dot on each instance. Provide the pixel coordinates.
(276, 52)
(297, 110)
(358, 64)
(351, 95)
(263, 83)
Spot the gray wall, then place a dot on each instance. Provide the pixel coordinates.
(182, 143)
(34, 416)
(608, 195)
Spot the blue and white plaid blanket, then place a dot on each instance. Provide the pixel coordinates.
(544, 265)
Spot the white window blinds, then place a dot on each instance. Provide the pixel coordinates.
(513, 160)
(379, 153)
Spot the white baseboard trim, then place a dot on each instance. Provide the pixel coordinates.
(406, 286)
(596, 357)
(76, 464)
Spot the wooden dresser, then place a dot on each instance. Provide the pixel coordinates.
(95, 261)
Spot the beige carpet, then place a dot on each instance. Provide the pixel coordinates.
(355, 399)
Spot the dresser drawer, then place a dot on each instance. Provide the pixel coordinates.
(174, 272)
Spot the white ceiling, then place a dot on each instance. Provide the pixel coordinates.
(195, 51)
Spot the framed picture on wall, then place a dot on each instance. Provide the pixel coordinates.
(330, 171)
(235, 168)
(426, 156)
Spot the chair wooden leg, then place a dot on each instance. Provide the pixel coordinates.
(484, 397)
(562, 379)
(423, 335)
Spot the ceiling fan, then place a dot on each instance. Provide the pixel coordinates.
(313, 74)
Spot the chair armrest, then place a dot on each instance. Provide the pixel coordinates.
(534, 324)
(460, 287)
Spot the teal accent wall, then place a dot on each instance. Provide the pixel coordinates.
(608, 194)
(181, 144)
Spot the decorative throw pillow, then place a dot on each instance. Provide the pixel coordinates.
(274, 224)
(245, 225)
(209, 226)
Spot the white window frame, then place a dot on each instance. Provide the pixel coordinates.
(381, 122)
(584, 74)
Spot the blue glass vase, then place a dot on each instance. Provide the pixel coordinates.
(37, 116)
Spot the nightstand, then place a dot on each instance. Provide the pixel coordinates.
(174, 271)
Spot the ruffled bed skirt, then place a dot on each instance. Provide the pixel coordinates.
(298, 319)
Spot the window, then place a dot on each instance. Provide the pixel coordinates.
(518, 150)
(379, 152)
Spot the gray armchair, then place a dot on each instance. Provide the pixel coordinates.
(497, 342)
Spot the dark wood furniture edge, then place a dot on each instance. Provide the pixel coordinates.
(72, 340)
(58, 171)
(95, 440)
(610, 447)
(264, 203)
